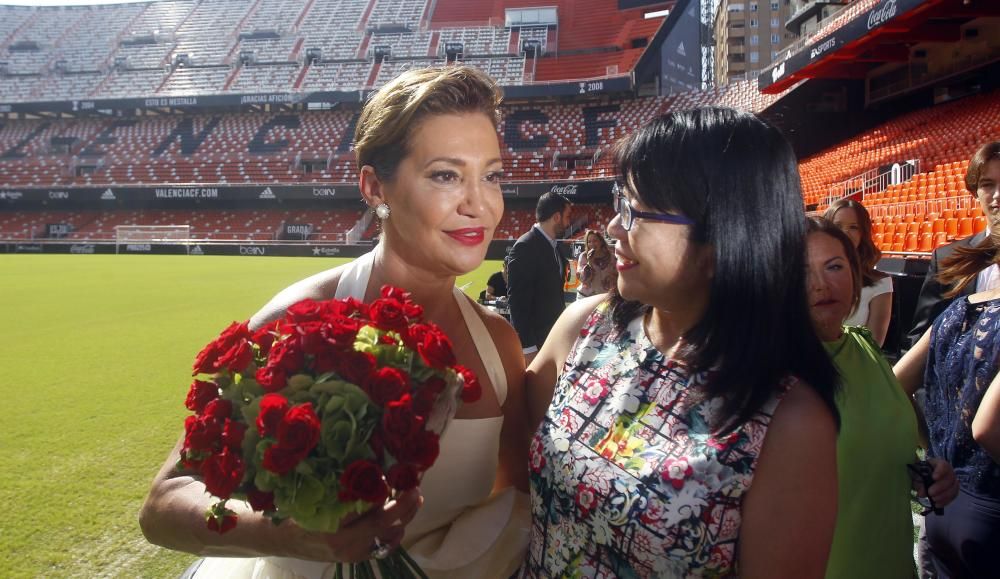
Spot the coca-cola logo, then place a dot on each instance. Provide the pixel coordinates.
(564, 189)
(882, 14)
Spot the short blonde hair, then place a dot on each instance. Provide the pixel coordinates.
(393, 113)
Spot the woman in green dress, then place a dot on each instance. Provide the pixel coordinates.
(878, 433)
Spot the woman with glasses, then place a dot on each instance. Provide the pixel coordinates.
(878, 427)
(957, 361)
(677, 416)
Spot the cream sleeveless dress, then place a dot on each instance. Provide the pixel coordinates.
(461, 530)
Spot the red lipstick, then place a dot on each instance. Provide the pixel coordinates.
(468, 235)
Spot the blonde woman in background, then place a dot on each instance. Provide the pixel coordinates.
(874, 309)
(595, 266)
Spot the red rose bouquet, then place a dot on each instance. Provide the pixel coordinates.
(328, 411)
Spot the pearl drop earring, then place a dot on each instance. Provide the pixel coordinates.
(382, 211)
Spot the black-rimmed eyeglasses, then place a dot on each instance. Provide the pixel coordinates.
(629, 214)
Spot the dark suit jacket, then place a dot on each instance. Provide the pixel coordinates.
(931, 302)
(535, 283)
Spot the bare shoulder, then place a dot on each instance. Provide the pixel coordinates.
(801, 421)
(565, 332)
(503, 334)
(575, 315)
(319, 286)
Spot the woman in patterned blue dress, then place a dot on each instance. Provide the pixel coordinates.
(957, 362)
(687, 421)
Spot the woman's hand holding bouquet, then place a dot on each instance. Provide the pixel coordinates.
(323, 415)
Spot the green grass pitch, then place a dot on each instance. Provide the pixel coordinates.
(94, 366)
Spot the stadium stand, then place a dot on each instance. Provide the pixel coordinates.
(933, 207)
(541, 141)
(54, 54)
(402, 45)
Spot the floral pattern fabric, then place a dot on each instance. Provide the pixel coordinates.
(964, 358)
(627, 479)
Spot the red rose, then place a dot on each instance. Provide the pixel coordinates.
(237, 358)
(232, 434)
(200, 394)
(310, 338)
(412, 310)
(403, 477)
(400, 423)
(201, 433)
(394, 293)
(388, 314)
(299, 428)
(260, 500)
(420, 450)
(222, 473)
(348, 307)
(219, 408)
(340, 332)
(306, 310)
(362, 480)
(272, 409)
(356, 367)
(264, 337)
(387, 384)
(471, 390)
(207, 360)
(355, 308)
(271, 378)
(221, 524)
(286, 355)
(280, 460)
(434, 347)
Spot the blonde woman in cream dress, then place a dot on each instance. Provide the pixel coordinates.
(430, 169)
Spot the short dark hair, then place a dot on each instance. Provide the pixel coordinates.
(867, 252)
(737, 178)
(826, 227)
(550, 204)
(983, 155)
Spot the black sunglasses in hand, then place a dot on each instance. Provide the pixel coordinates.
(924, 471)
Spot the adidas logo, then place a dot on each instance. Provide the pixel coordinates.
(196, 250)
(680, 49)
(266, 194)
(108, 195)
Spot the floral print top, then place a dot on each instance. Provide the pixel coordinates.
(964, 357)
(627, 479)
